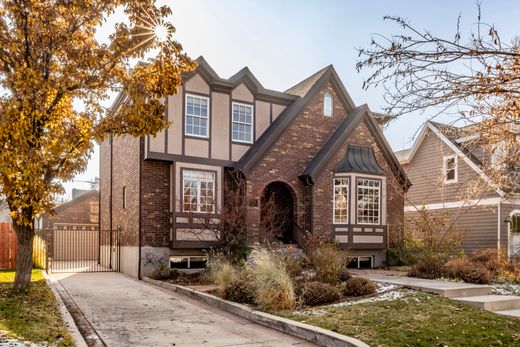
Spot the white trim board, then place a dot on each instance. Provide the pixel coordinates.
(455, 204)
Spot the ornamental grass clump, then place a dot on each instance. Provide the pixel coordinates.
(222, 272)
(272, 284)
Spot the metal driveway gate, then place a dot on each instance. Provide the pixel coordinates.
(81, 250)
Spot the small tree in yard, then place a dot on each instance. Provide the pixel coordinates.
(229, 223)
(50, 59)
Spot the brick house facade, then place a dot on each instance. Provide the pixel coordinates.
(310, 147)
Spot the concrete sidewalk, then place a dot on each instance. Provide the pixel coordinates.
(127, 312)
(477, 295)
(443, 288)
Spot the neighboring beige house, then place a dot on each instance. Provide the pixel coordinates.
(447, 176)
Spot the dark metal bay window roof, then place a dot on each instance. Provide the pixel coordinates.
(359, 159)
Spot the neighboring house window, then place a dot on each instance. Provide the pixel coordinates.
(515, 223)
(327, 104)
(498, 153)
(450, 169)
(242, 123)
(124, 197)
(198, 191)
(197, 115)
(341, 188)
(368, 201)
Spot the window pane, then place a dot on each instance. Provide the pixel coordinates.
(242, 123)
(196, 116)
(341, 198)
(327, 104)
(368, 201)
(198, 191)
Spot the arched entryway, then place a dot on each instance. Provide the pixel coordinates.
(277, 212)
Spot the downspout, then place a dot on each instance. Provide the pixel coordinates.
(111, 141)
(141, 143)
(499, 227)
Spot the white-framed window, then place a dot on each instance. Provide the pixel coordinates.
(198, 193)
(341, 200)
(449, 169)
(368, 201)
(242, 122)
(327, 104)
(197, 115)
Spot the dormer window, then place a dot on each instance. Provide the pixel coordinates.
(450, 170)
(327, 105)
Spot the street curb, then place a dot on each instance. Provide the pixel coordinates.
(65, 314)
(82, 327)
(307, 332)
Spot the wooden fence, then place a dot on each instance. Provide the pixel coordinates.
(8, 246)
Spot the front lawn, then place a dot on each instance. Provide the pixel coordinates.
(34, 317)
(415, 319)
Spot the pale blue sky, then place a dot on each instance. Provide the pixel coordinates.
(283, 42)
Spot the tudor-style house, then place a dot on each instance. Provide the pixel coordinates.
(449, 177)
(322, 159)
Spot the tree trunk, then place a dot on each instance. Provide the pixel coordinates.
(24, 264)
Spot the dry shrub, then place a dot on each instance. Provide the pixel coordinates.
(456, 267)
(240, 290)
(359, 286)
(476, 273)
(489, 257)
(222, 272)
(317, 293)
(429, 267)
(293, 265)
(472, 272)
(328, 262)
(344, 275)
(273, 286)
(164, 274)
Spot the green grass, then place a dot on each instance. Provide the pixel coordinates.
(417, 320)
(34, 317)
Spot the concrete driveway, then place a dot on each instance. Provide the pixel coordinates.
(127, 312)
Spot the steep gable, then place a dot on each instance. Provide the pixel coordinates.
(308, 92)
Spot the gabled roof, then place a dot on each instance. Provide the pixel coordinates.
(306, 91)
(361, 113)
(244, 76)
(82, 197)
(441, 131)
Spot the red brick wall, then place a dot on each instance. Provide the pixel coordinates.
(155, 208)
(292, 152)
(296, 148)
(125, 173)
(154, 180)
(323, 194)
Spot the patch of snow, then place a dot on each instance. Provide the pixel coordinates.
(505, 289)
(389, 295)
(383, 287)
(14, 342)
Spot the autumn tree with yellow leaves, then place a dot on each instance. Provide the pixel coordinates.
(51, 60)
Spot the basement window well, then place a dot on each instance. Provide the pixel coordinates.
(188, 262)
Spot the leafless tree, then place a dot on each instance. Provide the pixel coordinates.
(474, 76)
(229, 225)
